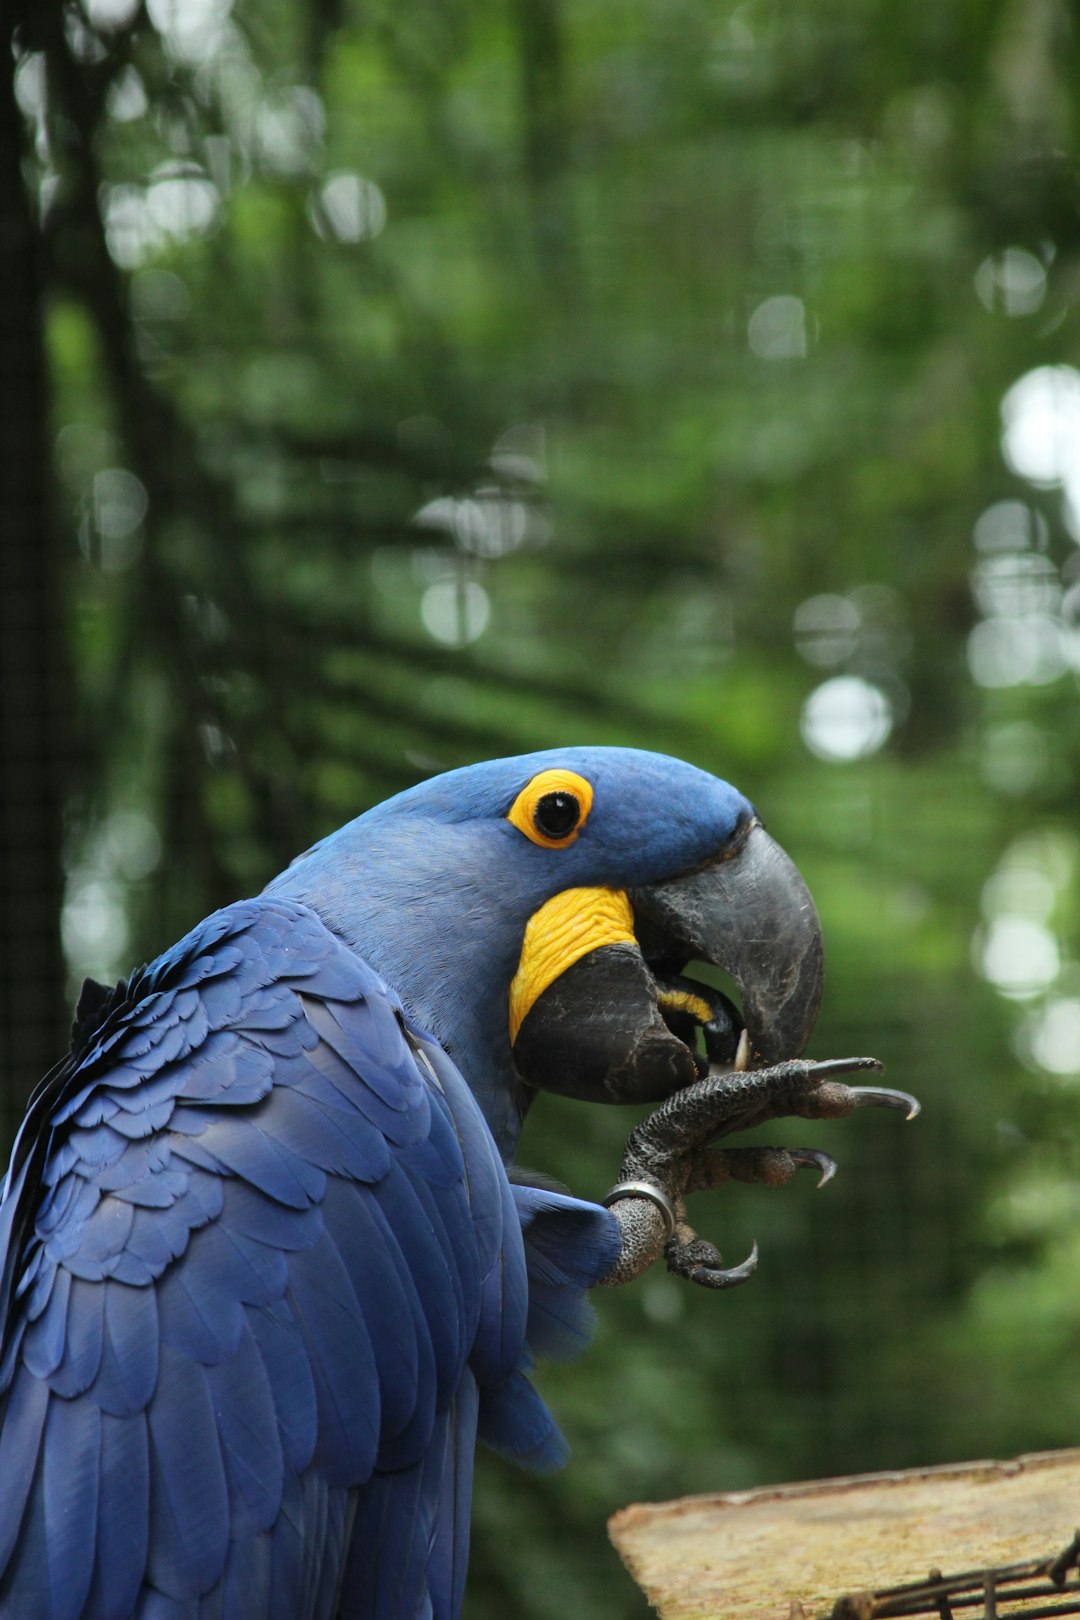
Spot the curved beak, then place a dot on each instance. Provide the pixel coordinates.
(752, 916)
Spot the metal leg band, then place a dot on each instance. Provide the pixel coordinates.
(650, 1190)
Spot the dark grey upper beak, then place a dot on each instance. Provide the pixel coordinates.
(752, 916)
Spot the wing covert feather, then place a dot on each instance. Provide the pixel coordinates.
(260, 1270)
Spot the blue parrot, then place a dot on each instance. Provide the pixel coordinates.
(267, 1273)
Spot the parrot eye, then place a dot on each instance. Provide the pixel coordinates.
(556, 815)
(552, 809)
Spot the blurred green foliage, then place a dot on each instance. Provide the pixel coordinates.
(433, 381)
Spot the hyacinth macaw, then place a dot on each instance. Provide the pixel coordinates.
(265, 1273)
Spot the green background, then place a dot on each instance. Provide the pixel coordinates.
(387, 386)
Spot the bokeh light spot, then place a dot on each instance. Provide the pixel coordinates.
(1016, 652)
(118, 505)
(1041, 426)
(1012, 282)
(130, 233)
(290, 123)
(1019, 889)
(110, 14)
(181, 201)
(130, 844)
(31, 85)
(1010, 526)
(348, 209)
(777, 329)
(93, 924)
(846, 718)
(1052, 1036)
(126, 99)
(1019, 956)
(826, 628)
(455, 611)
(191, 30)
(1016, 585)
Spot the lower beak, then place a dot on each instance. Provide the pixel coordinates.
(752, 916)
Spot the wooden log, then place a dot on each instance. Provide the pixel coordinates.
(794, 1550)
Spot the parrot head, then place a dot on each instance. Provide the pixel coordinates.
(535, 914)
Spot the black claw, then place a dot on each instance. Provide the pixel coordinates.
(729, 1277)
(885, 1097)
(814, 1159)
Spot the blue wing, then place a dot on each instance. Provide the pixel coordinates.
(262, 1280)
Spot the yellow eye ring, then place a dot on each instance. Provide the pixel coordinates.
(552, 809)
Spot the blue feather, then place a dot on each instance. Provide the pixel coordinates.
(93, 1147)
(250, 1214)
(26, 1580)
(71, 1458)
(134, 1126)
(271, 1010)
(148, 1250)
(227, 1067)
(202, 1304)
(504, 1302)
(242, 1146)
(386, 1573)
(281, 1346)
(194, 1318)
(515, 1421)
(129, 1351)
(448, 1223)
(248, 1570)
(93, 1108)
(101, 1237)
(211, 1605)
(68, 1198)
(85, 1340)
(449, 1556)
(254, 1271)
(371, 1043)
(22, 1419)
(339, 976)
(439, 1158)
(189, 1503)
(151, 1187)
(339, 1348)
(344, 1147)
(221, 1000)
(407, 1227)
(569, 1246)
(400, 1342)
(123, 1518)
(251, 1446)
(157, 1606)
(46, 1338)
(311, 1523)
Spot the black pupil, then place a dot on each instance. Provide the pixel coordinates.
(556, 814)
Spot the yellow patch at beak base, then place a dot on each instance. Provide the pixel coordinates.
(685, 1001)
(566, 928)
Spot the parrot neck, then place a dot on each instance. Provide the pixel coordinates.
(435, 938)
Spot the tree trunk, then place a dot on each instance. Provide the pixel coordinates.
(35, 698)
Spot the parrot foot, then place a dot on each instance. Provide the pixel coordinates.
(669, 1155)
